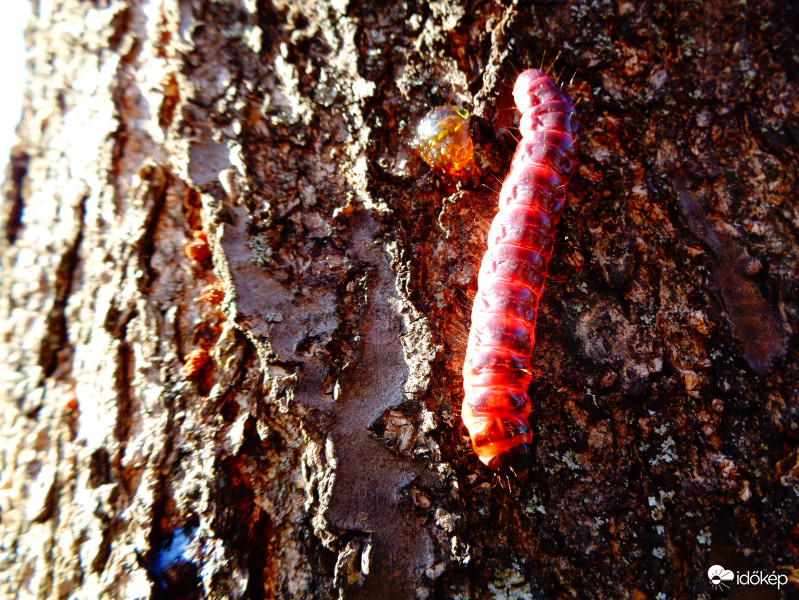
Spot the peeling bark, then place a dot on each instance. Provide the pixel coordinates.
(235, 306)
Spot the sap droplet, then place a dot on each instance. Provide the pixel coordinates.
(442, 140)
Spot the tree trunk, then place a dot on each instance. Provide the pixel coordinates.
(235, 306)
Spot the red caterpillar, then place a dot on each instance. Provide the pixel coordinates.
(497, 368)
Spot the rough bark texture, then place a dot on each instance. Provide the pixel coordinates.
(234, 306)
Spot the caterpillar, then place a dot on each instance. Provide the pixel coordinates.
(442, 140)
(496, 371)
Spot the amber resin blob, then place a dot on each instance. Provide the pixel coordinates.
(442, 140)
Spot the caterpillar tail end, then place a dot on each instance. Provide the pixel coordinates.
(515, 460)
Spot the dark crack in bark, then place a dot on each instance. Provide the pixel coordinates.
(56, 338)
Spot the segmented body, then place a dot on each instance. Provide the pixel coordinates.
(496, 373)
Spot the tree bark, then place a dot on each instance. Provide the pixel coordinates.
(235, 305)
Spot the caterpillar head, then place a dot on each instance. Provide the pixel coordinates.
(515, 460)
(442, 140)
(502, 441)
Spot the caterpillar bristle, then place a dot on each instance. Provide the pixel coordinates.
(551, 65)
(571, 82)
